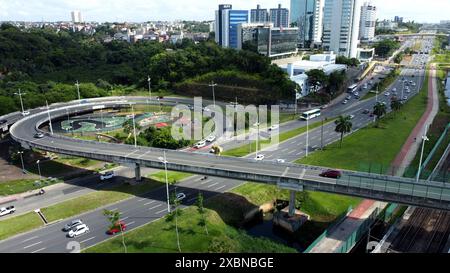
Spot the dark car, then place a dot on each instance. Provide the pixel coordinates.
(118, 227)
(331, 174)
(3, 121)
(366, 111)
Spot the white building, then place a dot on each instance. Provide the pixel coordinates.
(367, 22)
(341, 26)
(76, 16)
(308, 14)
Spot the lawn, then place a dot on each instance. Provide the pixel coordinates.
(172, 176)
(23, 185)
(160, 237)
(19, 224)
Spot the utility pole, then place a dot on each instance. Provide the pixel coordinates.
(49, 118)
(78, 91)
(21, 101)
(212, 85)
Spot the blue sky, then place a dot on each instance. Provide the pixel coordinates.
(145, 10)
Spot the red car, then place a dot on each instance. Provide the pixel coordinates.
(117, 228)
(331, 174)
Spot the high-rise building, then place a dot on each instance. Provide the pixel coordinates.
(226, 25)
(76, 16)
(279, 17)
(341, 26)
(259, 15)
(308, 15)
(398, 19)
(367, 22)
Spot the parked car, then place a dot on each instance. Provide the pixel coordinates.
(107, 175)
(78, 230)
(331, 174)
(120, 226)
(72, 224)
(8, 210)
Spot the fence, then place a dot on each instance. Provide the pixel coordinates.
(338, 220)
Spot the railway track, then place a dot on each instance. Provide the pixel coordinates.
(426, 231)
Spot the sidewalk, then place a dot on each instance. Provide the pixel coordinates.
(341, 232)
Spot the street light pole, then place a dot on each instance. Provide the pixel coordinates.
(212, 85)
(78, 91)
(424, 138)
(321, 135)
(49, 118)
(21, 159)
(307, 133)
(21, 101)
(149, 86)
(295, 112)
(39, 169)
(164, 160)
(134, 127)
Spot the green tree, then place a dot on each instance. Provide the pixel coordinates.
(396, 104)
(114, 218)
(343, 126)
(316, 78)
(201, 210)
(379, 110)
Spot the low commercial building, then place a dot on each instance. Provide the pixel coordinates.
(268, 40)
(365, 54)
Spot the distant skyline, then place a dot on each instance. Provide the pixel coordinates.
(431, 11)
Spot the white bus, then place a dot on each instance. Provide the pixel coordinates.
(352, 88)
(310, 114)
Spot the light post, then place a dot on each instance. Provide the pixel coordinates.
(163, 160)
(296, 91)
(21, 160)
(78, 91)
(424, 138)
(134, 127)
(21, 101)
(39, 169)
(321, 136)
(307, 133)
(212, 85)
(149, 86)
(49, 118)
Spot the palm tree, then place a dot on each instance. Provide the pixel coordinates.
(379, 110)
(343, 125)
(396, 104)
(114, 217)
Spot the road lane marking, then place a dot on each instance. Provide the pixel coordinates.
(154, 207)
(130, 223)
(127, 155)
(114, 209)
(161, 211)
(221, 187)
(148, 203)
(140, 200)
(40, 249)
(125, 218)
(87, 240)
(285, 171)
(32, 245)
(209, 186)
(29, 239)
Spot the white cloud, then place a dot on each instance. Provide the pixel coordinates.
(145, 10)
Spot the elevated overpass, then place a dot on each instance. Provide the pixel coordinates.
(294, 177)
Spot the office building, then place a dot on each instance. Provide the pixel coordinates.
(226, 25)
(279, 17)
(341, 27)
(308, 16)
(268, 40)
(259, 15)
(398, 19)
(367, 22)
(76, 16)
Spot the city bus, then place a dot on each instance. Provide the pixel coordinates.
(352, 88)
(310, 114)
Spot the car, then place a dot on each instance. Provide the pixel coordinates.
(72, 224)
(331, 174)
(387, 94)
(118, 227)
(8, 210)
(39, 135)
(259, 157)
(78, 230)
(357, 97)
(279, 160)
(351, 116)
(413, 84)
(408, 91)
(107, 175)
(356, 94)
(3, 121)
(25, 113)
(180, 196)
(366, 111)
(349, 97)
(211, 138)
(200, 144)
(405, 97)
(394, 89)
(345, 102)
(273, 127)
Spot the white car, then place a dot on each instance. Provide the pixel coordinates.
(273, 127)
(107, 175)
(72, 224)
(259, 157)
(25, 113)
(394, 89)
(7, 210)
(279, 160)
(180, 196)
(211, 138)
(200, 144)
(78, 230)
(387, 94)
(351, 116)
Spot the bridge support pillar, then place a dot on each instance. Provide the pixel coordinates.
(137, 172)
(292, 203)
